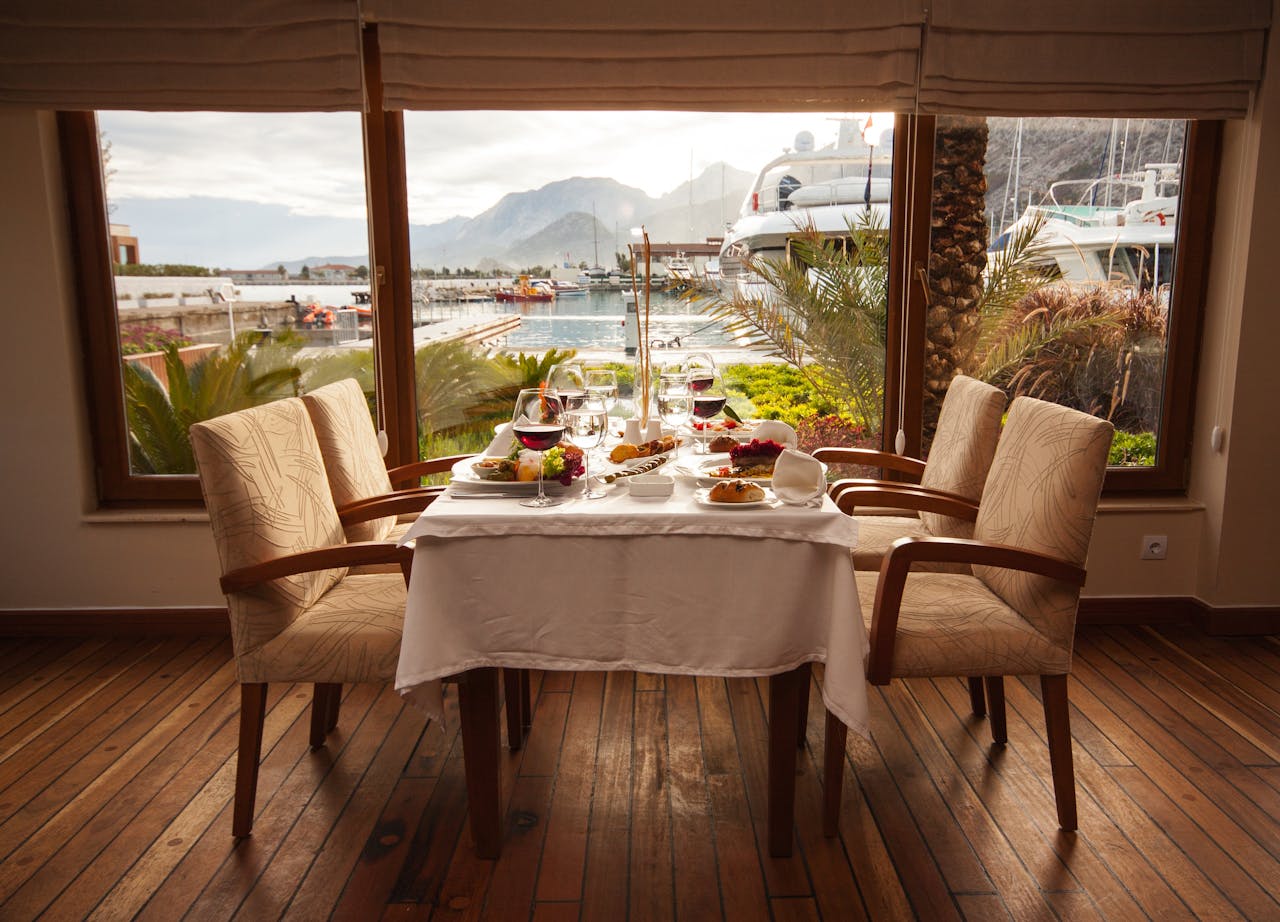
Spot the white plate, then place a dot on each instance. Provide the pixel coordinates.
(469, 481)
(701, 472)
(703, 498)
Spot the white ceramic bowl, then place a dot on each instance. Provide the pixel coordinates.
(651, 485)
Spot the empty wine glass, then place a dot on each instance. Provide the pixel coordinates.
(675, 400)
(537, 422)
(603, 383)
(567, 380)
(586, 424)
(708, 401)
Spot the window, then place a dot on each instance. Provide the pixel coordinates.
(441, 394)
(237, 274)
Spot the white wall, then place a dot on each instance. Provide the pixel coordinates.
(57, 553)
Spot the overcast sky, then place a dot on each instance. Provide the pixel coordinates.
(459, 163)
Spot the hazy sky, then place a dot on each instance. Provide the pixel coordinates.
(459, 163)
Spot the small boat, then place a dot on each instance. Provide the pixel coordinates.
(524, 290)
(681, 271)
(563, 289)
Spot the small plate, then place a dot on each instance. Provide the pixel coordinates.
(701, 472)
(703, 498)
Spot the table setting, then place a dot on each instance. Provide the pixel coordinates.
(633, 566)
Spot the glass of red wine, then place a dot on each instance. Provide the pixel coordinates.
(708, 401)
(537, 423)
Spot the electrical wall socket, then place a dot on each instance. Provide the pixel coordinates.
(1155, 547)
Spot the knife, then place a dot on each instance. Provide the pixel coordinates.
(643, 467)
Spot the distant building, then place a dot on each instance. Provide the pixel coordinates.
(256, 275)
(124, 246)
(333, 272)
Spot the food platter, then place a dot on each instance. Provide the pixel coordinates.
(703, 498)
(706, 473)
(465, 479)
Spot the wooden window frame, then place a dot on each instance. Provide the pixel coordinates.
(386, 184)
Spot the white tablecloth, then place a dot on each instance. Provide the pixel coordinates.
(620, 583)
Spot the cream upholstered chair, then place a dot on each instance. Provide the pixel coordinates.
(353, 461)
(1015, 614)
(965, 441)
(296, 613)
(360, 483)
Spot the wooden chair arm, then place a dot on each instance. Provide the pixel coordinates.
(906, 551)
(901, 496)
(418, 469)
(398, 503)
(357, 553)
(870, 457)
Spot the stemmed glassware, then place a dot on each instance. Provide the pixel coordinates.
(675, 400)
(603, 383)
(708, 401)
(587, 424)
(537, 422)
(701, 369)
(567, 380)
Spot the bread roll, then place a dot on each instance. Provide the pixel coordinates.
(722, 443)
(736, 491)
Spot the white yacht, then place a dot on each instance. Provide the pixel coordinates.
(828, 188)
(1119, 230)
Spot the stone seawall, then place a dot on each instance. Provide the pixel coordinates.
(208, 323)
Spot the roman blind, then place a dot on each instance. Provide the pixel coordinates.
(665, 54)
(260, 55)
(1155, 58)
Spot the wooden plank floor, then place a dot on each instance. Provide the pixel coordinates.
(640, 797)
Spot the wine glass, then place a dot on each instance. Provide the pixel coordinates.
(675, 400)
(538, 424)
(567, 380)
(603, 383)
(708, 401)
(701, 369)
(586, 425)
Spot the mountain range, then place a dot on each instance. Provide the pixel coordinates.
(574, 220)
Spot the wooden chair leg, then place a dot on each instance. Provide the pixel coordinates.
(526, 701)
(335, 705)
(321, 708)
(833, 775)
(784, 689)
(1057, 720)
(977, 703)
(481, 742)
(803, 703)
(515, 716)
(253, 711)
(995, 698)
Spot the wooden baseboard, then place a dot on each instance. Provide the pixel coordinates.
(213, 621)
(190, 621)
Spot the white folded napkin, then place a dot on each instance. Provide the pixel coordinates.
(500, 447)
(777, 430)
(798, 478)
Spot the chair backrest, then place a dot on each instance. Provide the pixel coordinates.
(265, 488)
(349, 445)
(1042, 495)
(963, 446)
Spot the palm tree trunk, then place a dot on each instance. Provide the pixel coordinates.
(957, 258)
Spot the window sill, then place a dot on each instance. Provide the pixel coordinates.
(146, 517)
(1119, 505)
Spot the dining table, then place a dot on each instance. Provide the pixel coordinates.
(658, 584)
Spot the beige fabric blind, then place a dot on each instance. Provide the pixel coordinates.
(665, 54)
(1155, 58)
(262, 55)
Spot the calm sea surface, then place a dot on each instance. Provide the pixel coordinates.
(593, 320)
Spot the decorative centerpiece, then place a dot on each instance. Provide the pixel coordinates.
(644, 371)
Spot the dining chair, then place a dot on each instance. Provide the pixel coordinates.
(360, 481)
(963, 445)
(353, 462)
(297, 613)
(1015, 613)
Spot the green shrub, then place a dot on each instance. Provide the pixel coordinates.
(1133, 449)
(137, 340)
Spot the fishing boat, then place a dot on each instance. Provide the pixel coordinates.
(1117, 230)
(524, 290)
(828, 189)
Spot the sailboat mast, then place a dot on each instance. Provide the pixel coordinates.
(595, 234)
